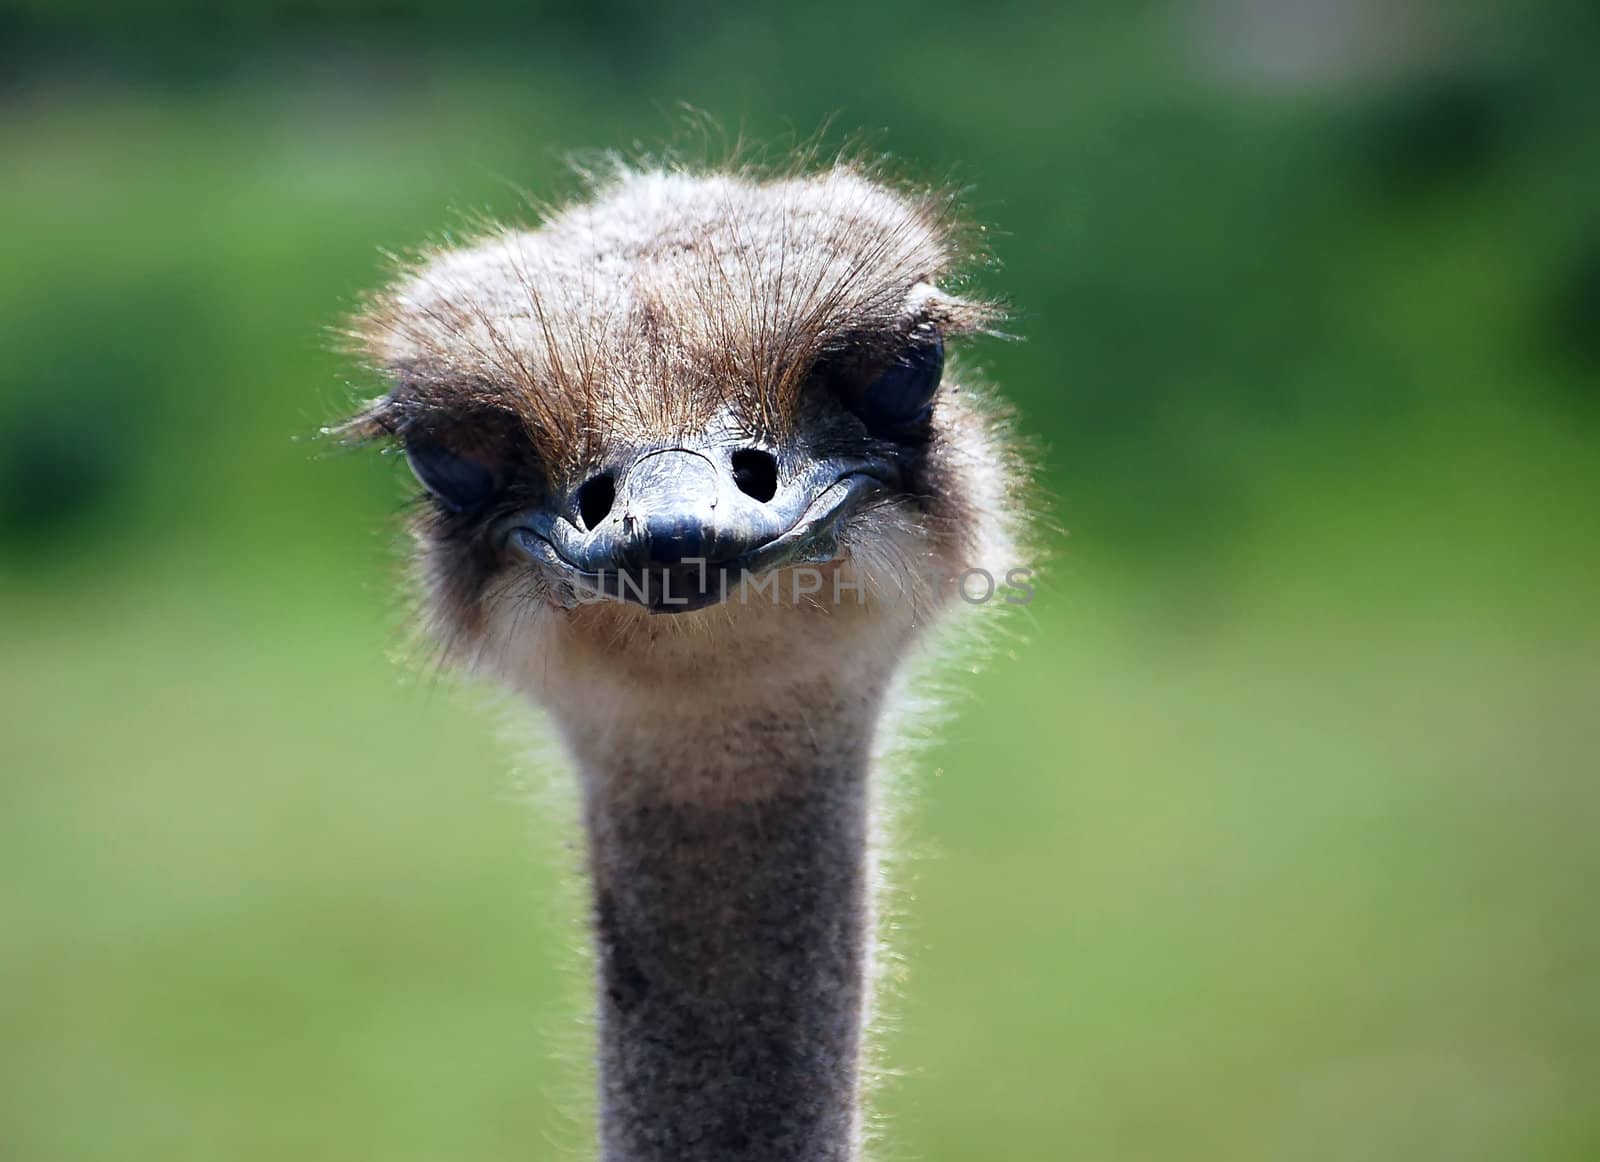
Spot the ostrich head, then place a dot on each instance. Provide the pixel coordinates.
(697, 474)
(697, 427)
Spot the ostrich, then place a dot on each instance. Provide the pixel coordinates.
(696, 484)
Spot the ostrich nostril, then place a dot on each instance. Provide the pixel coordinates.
(756, 474)
(595, 499)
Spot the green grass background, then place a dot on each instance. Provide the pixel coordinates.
(1271, 831)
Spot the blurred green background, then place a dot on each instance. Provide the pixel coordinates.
(1272, 832)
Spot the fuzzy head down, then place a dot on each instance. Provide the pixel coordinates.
(734, 381)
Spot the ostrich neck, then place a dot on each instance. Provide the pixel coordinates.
(729, 859)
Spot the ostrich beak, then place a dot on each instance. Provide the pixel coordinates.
(677, 529)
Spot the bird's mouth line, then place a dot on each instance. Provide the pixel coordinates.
(696, 582)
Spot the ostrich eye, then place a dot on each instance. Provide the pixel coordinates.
(458, 482)
(899, 395)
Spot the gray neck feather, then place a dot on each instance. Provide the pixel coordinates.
(732, 922)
